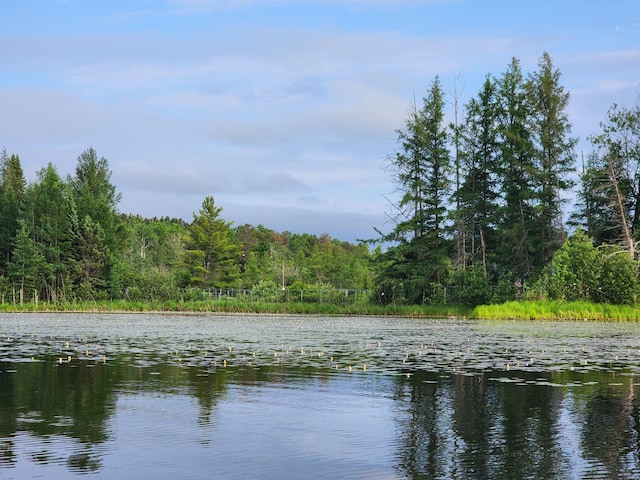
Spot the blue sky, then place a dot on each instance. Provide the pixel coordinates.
(283, 110)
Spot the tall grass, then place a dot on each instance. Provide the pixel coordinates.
(553, 310)
(525, 310)
(239, 305)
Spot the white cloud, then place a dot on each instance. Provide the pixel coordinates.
(264, 116)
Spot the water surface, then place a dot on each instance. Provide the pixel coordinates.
(205, 396)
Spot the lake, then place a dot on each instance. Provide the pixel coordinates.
(159, 396)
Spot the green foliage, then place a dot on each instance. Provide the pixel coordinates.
(554, 155)
(91, 260)
(25, 265)
(212, 252)
(287, 258)
(556, 310)
(514, 158)
(58, 248)
(421, 169)
(581, 272)
(574, 273)
(609, 206)
(64, 241)
(95, 196)
(618, 277)
(596, 214)
(470, 287)
(516, 168)
(50, 207)
(12, 186)
(267, 291)
(478, 194)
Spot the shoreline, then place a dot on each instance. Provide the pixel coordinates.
(515, 310)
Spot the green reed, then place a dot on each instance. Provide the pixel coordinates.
(554, 310)
(516, 310)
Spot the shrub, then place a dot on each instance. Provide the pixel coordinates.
(471, 287)
(618, 278)
(574, 270)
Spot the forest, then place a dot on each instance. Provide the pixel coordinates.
(479, 216)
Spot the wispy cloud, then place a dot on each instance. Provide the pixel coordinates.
(282, 109)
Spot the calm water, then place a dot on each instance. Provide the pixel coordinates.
(230, 397)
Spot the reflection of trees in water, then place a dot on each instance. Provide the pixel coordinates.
(529, 415)
(477, 427)
(472, 407)
(45, 399)
(450, 427)
(610, 434)
(8, 422)
(73, 402)
(83, 462)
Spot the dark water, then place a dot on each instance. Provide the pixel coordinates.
(230, 397)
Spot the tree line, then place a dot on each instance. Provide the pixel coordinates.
(63, 239)
(478, 210)
(480, 200)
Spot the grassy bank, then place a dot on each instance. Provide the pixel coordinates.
(243, 306)
(530, 310)
(549, 310)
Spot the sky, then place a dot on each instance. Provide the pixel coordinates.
(285, 111)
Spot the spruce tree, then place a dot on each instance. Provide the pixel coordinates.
(95, 196)
(421, 169)
(12, 187)
(49, 208)
(517, 171)
(479, 187)
(555, 156)
(212, 253)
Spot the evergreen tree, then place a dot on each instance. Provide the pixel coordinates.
(598, 211)
(95, 201)
(12, 186)
(517, 170)
(479, 187)
(96, 197)
(212, 254)
(91, 260)
(421, 169)
(49, 207)
(26, 264)
(554, 149)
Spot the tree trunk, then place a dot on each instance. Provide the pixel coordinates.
(628, 239)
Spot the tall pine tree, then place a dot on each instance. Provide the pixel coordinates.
(49, 210)
(212, 253)
(422, 170)
(555, 156)
(479, 187)
(96, 219)
(12, 187)
(517, 170)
